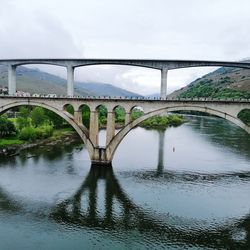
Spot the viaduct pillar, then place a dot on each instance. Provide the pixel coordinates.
(11, 79)
(164, 75)
(70, 81)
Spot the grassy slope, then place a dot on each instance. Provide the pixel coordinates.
(224, 82)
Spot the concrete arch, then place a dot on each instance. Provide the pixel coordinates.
(81, 131)
(138, 107)
(42, 62)
(114, 143)
(117, 106)
(134, 63)
(68, 105)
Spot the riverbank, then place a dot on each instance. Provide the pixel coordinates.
(13, 146)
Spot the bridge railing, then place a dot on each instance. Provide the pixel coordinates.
(134, 98)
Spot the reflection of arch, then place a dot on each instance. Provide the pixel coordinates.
(134, 217)
(164, 229)
(81, 130)
(111, 148)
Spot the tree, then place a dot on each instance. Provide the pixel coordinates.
(23, 119)
(38, 116)
(57, 121)
(6, 127)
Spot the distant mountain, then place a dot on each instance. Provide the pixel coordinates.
(156, 95)
(104, 89)
(224, 82)
(37, 81)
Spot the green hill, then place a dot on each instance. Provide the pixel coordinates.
(221, 83)
(37, 81)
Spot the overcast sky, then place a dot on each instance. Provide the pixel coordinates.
(153, 29)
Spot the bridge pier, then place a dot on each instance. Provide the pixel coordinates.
(94, 128)
(110, 127)
(164, 75)
(12, 80)
(70, 81)
(99, 157)
(127, 118)
(78, 117)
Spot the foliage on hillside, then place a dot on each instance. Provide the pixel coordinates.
(206, 88)
(221, 89)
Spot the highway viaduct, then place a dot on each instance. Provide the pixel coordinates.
(71, 64)
(227, 109)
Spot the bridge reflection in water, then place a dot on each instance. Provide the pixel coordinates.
(163, 229)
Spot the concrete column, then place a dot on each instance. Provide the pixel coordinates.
(78, 117)
(127, 118)
(94, 128)
(12, 80)
(70, 81)
(164, 75)
(110, 127)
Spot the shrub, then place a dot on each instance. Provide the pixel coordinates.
(6, 127)
(31, 133)
(38, 116)
(44, 131)
(28, 134)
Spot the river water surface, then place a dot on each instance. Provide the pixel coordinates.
(183, 188)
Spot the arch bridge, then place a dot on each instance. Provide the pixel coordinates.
(227, 109)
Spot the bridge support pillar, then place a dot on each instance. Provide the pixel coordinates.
(70, 81)
(12, 80)
(110, 127)
(78, 117)
(100, 158)
(127, 118)
(94, 128)
(164, 75)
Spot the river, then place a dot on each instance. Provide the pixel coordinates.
(182, 188)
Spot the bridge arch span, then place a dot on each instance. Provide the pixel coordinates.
(81, 130)
(114, 143)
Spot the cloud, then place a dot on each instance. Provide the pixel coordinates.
(160, 29)
(28, 34)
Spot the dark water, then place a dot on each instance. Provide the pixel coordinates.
(185, 188)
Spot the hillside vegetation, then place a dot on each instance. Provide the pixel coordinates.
(221, 83)
(233, 83)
